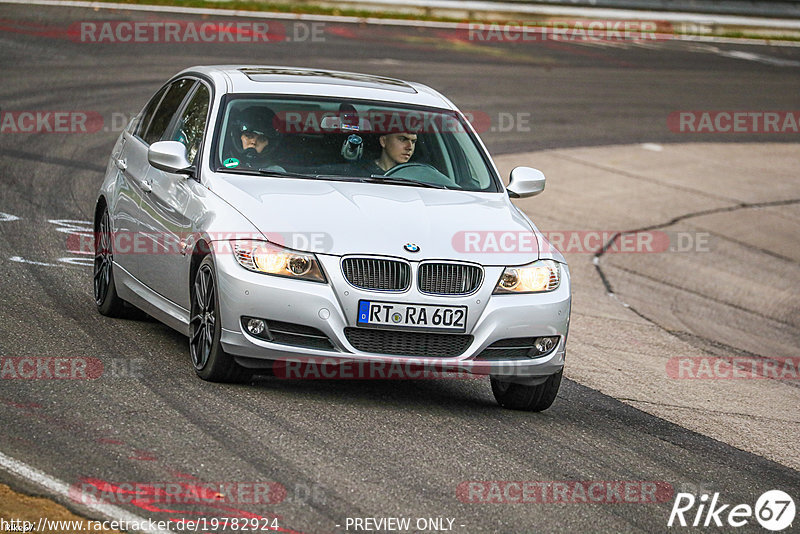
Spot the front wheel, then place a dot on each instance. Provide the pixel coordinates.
(105, 290)
(205, 329)
(530, 398)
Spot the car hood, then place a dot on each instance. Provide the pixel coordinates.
(339, 218)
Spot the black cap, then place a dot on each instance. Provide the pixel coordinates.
(258, 119)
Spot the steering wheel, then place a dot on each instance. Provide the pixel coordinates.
(416, 166)
(421, 172)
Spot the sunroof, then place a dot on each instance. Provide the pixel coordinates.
(266, 74)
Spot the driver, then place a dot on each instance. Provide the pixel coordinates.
(250, 140)
(396, 149)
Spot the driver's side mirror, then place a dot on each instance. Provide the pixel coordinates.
(525, 182)
(169, 156)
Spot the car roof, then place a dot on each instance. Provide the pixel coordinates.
(319, 82)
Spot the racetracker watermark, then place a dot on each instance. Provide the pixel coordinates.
(744, 368)
(69, 368)
(733, 122)
(564, 491)
(335, 369)
(580, 241)
(49, 121)
(153, 495)
(568, 31)
(187, 32)
(383, 122)
(50, 368)
(124, 242)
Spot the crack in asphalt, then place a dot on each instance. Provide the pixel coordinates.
(708, 297)
(610, 290)
(754, 247)
(679, 218)
(720, 345)
(695, 340)
(741, 205)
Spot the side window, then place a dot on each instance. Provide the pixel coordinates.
(166, 109)
(189, 129)
(147, 113)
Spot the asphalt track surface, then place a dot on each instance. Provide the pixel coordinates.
(340, 448)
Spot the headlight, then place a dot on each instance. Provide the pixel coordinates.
(268, 258)
(542, 275)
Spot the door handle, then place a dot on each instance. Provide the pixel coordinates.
(121, 164)
(146, 186)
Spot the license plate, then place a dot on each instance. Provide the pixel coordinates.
(412, 316)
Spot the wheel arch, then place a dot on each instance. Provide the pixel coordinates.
(99, 207)
(200, 250)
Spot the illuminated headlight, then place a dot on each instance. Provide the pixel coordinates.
(542, 275)
(268, 258)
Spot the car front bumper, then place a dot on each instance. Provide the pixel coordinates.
(331, 307)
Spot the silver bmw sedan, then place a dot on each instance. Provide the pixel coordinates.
(323, 224)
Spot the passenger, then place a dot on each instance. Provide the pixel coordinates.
(250, 139)
(396, 149)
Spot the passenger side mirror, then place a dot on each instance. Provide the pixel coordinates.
(525, 182)
(169, 156)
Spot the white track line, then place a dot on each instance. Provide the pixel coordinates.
(235, 13)
(19, 259)
(595, 12)
(54, 486)
(557, 10)
(7, 217)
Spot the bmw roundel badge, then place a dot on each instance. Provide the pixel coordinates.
(411, 247)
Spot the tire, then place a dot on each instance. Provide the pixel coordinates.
(529, 398)
(105, 290)
(210, 362)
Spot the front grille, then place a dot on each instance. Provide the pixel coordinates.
(377, 274)
(508, 349)
(449, 278)
(298, 335)
(424, 344)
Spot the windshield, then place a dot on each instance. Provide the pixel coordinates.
(338, 139)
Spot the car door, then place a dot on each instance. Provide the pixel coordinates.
(129, 173)
(132, 163)
(164, 207)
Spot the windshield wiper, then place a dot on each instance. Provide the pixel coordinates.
(265, 172)
(286, 174)
(380, 179)
(375, 178)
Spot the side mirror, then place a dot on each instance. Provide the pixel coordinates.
(525, 182)
(169, 156)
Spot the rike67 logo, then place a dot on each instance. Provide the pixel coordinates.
(774, 510)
